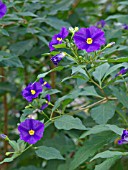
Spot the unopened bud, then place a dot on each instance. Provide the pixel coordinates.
(8, 153)
(110, 44)
(3, 136)
(73, 30)
(76, 29)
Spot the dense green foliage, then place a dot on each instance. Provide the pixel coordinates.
(95, 106)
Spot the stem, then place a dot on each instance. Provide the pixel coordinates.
(124, 119)
(92, 105)
(27, 148)
(45, 115)
(100, 88)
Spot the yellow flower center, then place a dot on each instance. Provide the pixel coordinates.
(33, 92)
(89, 40)
(45, 83)
(59, 39)
(31, 132)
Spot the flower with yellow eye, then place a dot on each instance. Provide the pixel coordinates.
(31, 130)
(57, 38)
(89, 39)
(32, 91)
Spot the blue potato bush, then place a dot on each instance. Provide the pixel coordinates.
(64, 90)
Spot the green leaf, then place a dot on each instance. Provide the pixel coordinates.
(121, 96)
(115, 129)
(43, 40)
(72, 95)
(119, 17)
(11, 62)
(4, 32)
(26, 14)
(100, 71)
(61, 6)
(60, 45)
(118, 60)
(102, 128)
(76, 76)
(48, 153)
(78, 69)
(68, 122)
(89, 91)
(59, 68)
(56, 23)
(94, 130)
(31, 167)
(89, 149)
(9, 159)
(20, 47)
(14, 145)
(107, 164)
(101, 114)
(112, 69)
(108, 154)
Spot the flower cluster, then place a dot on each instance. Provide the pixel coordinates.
(31, 130)
(88, 39)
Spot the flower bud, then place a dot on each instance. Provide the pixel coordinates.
(110, 44)
(3, 136)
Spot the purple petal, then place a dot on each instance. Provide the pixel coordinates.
(45, 83)
(41, 80)
(64, 32)
(120, 142)
(47, 97)
(101, 24)
(44, 106)
(93, 47)
(48, 86)
(3, 9)
(57, 58)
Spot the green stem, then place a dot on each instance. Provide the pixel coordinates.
(45, 115)
(27, 148)
(100, 88)
(123, 118)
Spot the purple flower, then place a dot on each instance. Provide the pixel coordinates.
(100, 24)
(121, 72)
(44, 83)
(3, 9)
(125, 26)
(89, 39)
(47, 97)
(57, 38)
(124, 138)
(57, 58)
(31, 130)
(32, 91)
